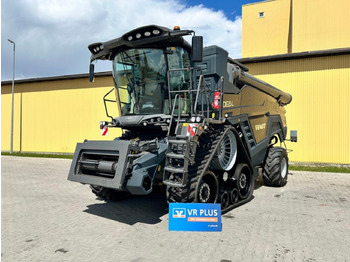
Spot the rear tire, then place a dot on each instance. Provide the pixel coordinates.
(275, 171)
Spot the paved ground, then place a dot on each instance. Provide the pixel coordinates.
(47, 218)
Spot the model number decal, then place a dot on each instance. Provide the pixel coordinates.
(260, 127)
(227, 103)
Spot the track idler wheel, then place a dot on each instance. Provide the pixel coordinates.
(225, 200)
(233, 194)
(244, 180)
(207, 189)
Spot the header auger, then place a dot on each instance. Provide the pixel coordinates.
(193, 120)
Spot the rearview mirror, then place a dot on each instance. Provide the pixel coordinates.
(92, 73)
(197, 48)
(293, 135)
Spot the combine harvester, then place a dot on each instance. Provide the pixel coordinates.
(193, 119)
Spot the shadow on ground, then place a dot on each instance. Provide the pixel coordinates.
(259, 182)
(143, 209)
(135, 209)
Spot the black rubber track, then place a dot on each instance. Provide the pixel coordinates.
(208, 142)
(205, 151)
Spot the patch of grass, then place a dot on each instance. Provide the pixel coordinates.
(43, 155)
(328, 169)
(296, 167)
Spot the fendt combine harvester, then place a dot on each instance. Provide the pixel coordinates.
(193, 119)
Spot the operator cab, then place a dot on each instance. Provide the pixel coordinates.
(142, 80)
(152, 69)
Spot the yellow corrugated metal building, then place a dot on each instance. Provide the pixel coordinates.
(302, 47)
(53, 114)
(320, 109)
(291, 26)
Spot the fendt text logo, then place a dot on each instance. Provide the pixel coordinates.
(179, 213)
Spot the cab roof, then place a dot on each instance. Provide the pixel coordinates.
(151, 36)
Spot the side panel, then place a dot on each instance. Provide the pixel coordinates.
(252, 102)
(255, 102)
(257, 149)
(274, 126)
(259, 126)
(231, 105)
(260, 118)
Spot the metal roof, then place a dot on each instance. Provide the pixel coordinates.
(290, 56)
(54, 78)
(258, 59)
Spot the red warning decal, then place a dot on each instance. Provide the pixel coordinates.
(191, 129)
(104, 131)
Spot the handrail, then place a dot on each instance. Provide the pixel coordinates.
(197, 95)
(172, 114)
(207, 98)
(107, 100)
(201, 91)
(221, 88)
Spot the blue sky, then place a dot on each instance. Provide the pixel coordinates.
(231, 8)
(52, 36)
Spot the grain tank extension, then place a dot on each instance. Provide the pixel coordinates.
(193, 120)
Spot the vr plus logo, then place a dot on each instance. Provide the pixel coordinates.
(179, 212)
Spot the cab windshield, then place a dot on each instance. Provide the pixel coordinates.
(141, 78)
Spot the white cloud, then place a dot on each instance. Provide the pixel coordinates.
(52, 35)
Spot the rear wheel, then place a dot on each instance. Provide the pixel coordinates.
(275, 171)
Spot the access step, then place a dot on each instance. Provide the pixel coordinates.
(173, 155)
(177, 141)
(172, 183)
(174, 169)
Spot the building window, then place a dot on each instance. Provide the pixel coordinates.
(261, 14)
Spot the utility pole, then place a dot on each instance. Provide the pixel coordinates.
(13, 91)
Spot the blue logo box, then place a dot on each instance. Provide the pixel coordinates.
(194, 217)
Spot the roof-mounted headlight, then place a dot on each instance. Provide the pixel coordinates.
(141, 33)
(96, 48)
